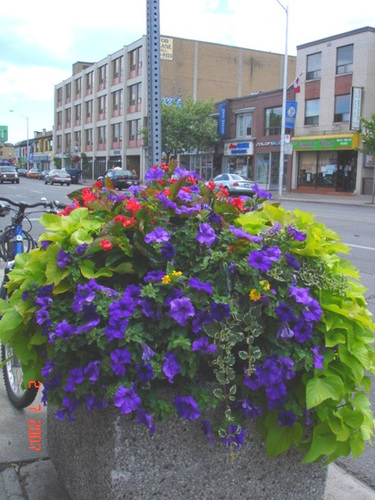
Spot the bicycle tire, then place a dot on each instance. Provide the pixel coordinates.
(7, 243)
(13, 375)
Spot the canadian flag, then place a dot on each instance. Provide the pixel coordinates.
(296, 86)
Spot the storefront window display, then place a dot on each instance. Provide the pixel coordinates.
(331, 169)
(267, 170)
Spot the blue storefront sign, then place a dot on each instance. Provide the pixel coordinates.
(291, 113)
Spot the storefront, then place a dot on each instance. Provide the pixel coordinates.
(238, 158)
(326, 162)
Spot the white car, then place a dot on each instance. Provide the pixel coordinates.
(236, 184)
(58, 176)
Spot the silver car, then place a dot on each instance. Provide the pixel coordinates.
(236, 184)
(58, 176)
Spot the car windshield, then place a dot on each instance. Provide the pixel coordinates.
(237, 177)
(119, 171)
(8, 169)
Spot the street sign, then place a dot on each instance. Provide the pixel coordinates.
(3, 133)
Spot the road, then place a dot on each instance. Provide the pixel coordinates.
(355, 225)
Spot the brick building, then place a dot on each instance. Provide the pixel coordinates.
(102, 108)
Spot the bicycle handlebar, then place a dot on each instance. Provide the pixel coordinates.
(43, 203)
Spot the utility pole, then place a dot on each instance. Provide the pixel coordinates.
(153, 83)
(283, 109)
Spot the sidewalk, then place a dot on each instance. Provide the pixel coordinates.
(25, 478)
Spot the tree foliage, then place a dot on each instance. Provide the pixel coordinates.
(368, 135)
(189, 127)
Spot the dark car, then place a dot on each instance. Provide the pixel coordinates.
(8, 174)
(22, 172)
(58, 176)
(121, 179)
(42, 174)
(75, 174)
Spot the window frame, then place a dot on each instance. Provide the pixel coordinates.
(311, 119)
(347, 67)
(315, 72)
(268, 129)
(338, 117)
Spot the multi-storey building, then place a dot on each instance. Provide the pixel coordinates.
(337, 88)
(42, 150)
(102, 108)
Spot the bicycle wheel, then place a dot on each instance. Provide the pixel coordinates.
(12, 373)
(7, 241)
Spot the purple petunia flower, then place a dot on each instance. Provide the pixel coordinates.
(95, 403)
(314, 311)
(187, 407)
(168, 251)
(126, 400)
(292, 261)
(286, 418)
(42, 316)
(259, 260)
(302, 330)
(63, 259)
(120, 358)
(146, 419)
(145, 372)
(48, 368)
(297, 235)
(220, 311)
(249, 408)
(154, 276)
(166, 202)
(154, 174)
(63, 330)
(181, 310)
(148, 353)
(171, 366)
(300, 295)
(45, 243)
(318, 358)
(284, 332)
(157, 235)
(203, 345)
(206, 234)
(285, 313)
(80, 249)
(75, 376)
(200, 319)
(233, 437)
(92, 371)
(207, 431)
(199, 285)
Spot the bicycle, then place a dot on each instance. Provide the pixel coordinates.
(15, 239)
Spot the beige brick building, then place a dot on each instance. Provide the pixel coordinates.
(337, 88)
(101, 109)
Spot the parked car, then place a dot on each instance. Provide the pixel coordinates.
(8, 174)
(236, 184)
(58, 176)
(32, 173)
(21, 172)
(42, 174)
(75, 174)
(121, 179)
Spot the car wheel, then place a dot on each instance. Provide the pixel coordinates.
(68, 183)
(18, 181)
(45, 181)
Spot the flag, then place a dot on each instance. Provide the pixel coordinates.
(296, 86)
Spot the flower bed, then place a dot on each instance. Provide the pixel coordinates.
(179, 284)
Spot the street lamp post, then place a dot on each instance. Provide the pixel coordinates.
(283, 109)
(27, 137)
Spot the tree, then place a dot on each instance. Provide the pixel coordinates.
(368, 148)
(188, 127)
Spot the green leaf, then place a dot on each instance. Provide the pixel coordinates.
(323, 443)
(318, 389)
(357, 445)
(352, 418)
(351, 361)
(9, 323)
(281, 437)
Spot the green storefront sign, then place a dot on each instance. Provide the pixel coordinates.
(3, 133)
(326, 143)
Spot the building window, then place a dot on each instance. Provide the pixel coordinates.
(132, 93)
(273, 121)
(344, 60)
(102, 76)
(77, 141)
(132, 130)
(68, 92)
(78, 87)
(59, 120)
(117, 133)
(59, 96)
(77, 114)
(68, 117)
(313, 66)
(139, 92)
(102, 135)
(342, 108)
(89, 111)
(68, 143)
(102, 109)
(133, 60)
(89, 137)
(118, 69)
(312, 112)
(89, 82)
(243, 125)
(140, 57)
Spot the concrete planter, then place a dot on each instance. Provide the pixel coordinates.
(104, 455)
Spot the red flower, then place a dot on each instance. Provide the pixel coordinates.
(87, 196)
(106, 245)
(237, 202)
(186, 189)
(191, 180)
(124, 221)
(133, 205)
(164, 166)
(69, 209)
(167, 192)
(211, 185)
(231, 248)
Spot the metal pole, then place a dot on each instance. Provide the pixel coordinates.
(27, 143)
(153, 83)
(283, 109)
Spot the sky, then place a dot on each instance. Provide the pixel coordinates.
(39, 44)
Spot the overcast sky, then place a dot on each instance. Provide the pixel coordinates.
(40, 41)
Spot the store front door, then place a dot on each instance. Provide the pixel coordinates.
(346, 171)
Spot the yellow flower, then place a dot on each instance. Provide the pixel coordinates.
(264, 284)
(166, 279)
(176, 273)
(254, 294)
